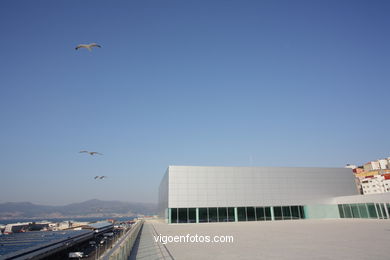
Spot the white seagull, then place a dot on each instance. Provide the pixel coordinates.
(87, 46)
(91, 153)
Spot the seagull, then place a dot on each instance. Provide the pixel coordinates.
(100, 177)
(91, 153)
(87, 46)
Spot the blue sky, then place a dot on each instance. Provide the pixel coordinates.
(262, 83)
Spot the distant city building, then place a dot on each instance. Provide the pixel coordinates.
(16, 227)
(371, 178)
(26, 226)
(370, 166)
(376, 184)
(383, 164)
(358, 170)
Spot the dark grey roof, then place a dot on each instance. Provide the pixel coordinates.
(35, 243)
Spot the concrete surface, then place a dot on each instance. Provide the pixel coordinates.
(296, 239)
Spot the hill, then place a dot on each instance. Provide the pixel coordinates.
(90, 208)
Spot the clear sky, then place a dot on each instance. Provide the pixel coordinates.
(228, 83)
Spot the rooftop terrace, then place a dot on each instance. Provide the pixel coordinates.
(295, 239)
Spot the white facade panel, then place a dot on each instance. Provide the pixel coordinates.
(193, 186)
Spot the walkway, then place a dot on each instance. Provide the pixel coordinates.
(145, 247)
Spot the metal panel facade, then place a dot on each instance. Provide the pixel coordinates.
(196, 186)
(163, 196)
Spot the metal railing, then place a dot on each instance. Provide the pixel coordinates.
(122, 249)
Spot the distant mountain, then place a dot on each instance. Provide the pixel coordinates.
(89, 208)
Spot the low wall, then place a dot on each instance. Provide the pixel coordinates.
(121, 251)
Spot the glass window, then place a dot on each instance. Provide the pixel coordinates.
(383, 210)
(183, 215)
(286, 212)
(378, 209)
(363, 210)
(371, 210)
(192, 215)
(388, 207)
(268, 213)
(174, 215)
(250, 213)
(203, 215)
(294, 212)
(241, 213)
(213, 215)
(231, 217)
(260, 214)
(347, 211)
(222, 215)
(355, 211)
(301, 212)
(278, 213)
(341, 211)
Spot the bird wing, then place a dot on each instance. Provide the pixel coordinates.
(95, 45)
(96, 177)
(83, 151)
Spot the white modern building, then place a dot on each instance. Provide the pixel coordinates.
(196, 194)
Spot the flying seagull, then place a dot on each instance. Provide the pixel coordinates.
(91, 153)
(100, 177)
(87, 46)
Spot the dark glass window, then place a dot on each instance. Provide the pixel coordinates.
(203, 215)
(231, 217)
(286, 212)
(383, 210)
(378, 209)
(347, 211)
(213, 215)
(192, 215)
(355, 211)
(222, 215)
(183, 215)
(371, 210)
(388, 207)
(278, 213)
(341, 211)
(250, 213)
(294, 212)
(363, 210)
(268, 213)
(301, 212)
(174, 215)
(241, 214)
(260, 214)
